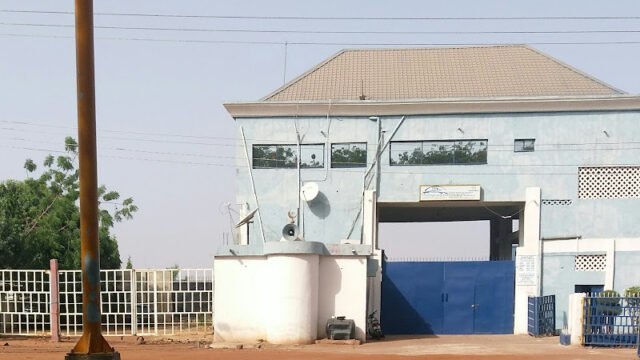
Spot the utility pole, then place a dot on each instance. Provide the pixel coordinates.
(92, 345)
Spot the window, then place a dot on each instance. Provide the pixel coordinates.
(438, 152)
(524, 145)
(274, 156)
(285, 156)
(348, 155)
(312, 156)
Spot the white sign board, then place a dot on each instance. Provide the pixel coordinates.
(526, 270)
(449, 192)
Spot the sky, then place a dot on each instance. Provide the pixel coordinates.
(164, 137)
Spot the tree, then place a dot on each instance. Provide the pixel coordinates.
(40, 217)
(129, 265)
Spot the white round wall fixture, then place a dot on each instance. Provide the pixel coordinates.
(309, 191)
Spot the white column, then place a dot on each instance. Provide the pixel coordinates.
(575, 318)
(369, 218)
(528, 271)
(610, 265)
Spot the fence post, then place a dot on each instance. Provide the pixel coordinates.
(576, 318)
(54, 309)
(134, 303)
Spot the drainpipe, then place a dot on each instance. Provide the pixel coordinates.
(300, 211)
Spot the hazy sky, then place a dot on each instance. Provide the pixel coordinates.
(164, 137)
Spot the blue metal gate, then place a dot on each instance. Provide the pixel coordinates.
(466, 297)
(611, 320)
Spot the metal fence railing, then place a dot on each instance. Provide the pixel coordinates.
(133, 302)
(611, 320)
(24, 302)
(542, 315)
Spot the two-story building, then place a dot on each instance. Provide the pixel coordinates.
(505, 134)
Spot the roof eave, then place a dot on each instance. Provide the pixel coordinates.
(433, 106)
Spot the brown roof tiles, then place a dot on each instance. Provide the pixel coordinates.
(439, 73)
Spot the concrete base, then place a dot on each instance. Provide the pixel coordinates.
(98, 356)
(338, 342)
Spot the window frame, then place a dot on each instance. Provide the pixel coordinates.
(524, 148)
(296, 157)
(451, 141)
(346, 165)
(322, 152)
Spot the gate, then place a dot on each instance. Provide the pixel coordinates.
(541, 318)
(462, 297)
(611, 320)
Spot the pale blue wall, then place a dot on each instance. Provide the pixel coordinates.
(627, 273)
(505, 177)
(559, 278)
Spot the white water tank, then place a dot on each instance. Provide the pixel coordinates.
(292, 298)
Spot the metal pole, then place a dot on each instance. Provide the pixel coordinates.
(92, 345)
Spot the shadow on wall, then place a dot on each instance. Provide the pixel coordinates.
(404, 315)
(320, 206)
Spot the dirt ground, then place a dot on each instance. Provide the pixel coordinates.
(435, 348)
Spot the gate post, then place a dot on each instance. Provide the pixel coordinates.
(528, 264)
(576, 318)
(54, 306)
(134, 303)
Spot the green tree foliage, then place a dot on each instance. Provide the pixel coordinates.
(40, 217)
(129, 264)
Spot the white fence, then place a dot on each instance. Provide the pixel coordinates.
(134, 302)
(24, 302)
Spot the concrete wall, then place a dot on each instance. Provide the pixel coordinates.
(240, 301)
(560, 277)
(343, 292)
(564, 141)
(627, 270)
(259, 298)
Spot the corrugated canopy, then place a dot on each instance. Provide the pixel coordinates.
(439, 73)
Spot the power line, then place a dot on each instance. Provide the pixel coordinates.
(321, 43)
(332, 32)
(398, 170)
(275, 142)
(334, 18)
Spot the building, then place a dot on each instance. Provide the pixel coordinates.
(498, 133)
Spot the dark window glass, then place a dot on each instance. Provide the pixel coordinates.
(523, 145)
(285, 156)
(348, 155)
(312, 156)
(438, 152)
(274, 156)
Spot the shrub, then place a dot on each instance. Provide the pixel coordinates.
(608, 303)
(633, 295)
